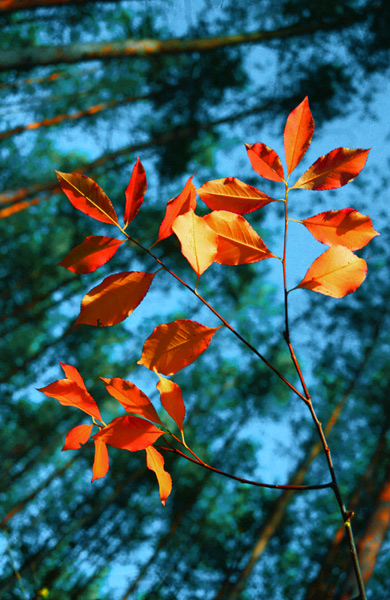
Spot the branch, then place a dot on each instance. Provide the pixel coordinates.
(271, 486)
(27, 58)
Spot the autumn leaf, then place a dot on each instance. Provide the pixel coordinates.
(346, 227)
(77, 436)
(333, 170)
(298, 134)
(335, 273)
(129, 433)
(88, 197)
(135, 192)
(173, 346)
(101, 463)
(91, 254)
(265, 161)
(131, 398)
(114, 299)
(72, 373)
(72, 392)
(233, 195)
(238, 242)
(172, 400)
(183, 203)
(155, 462)
(198, 241)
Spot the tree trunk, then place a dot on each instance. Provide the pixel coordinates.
(27, 58)
(8, 6)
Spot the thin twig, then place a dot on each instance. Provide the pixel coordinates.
(271, 486)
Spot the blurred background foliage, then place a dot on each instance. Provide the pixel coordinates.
(182, 112)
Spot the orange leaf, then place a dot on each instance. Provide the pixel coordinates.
(183, 203)
(72, 392)
(114, 299)
(100, 463)
(336, 273)
(77, 436)
(172, 400)
(88, 197)
(346, 227)
(333, 170)
(135, 192)
(131, 398)
(238, 242)
(94, 252)
(265, 161)
(233, 195)
(155, 462)
(297, 134)
(173, 346)
(129, 433)
(198, 241)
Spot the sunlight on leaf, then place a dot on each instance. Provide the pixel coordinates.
(88, 197)
(172, 400)
(265, 161)
(298, 134)
(155, 462)
(335, 273)
(173, 346)
(232, 195)
(101, 462)
(198, 241)
(129, 433)
(183, 203)
(135, 192)
(238, 242)
(333, 170)
(131, 398)
(91, 254)
(77, 436)
(113, 300)
(346, 227)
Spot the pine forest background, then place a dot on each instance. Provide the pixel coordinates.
(235, 71)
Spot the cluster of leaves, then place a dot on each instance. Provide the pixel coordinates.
(223, 236)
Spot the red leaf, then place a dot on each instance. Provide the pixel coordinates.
(198, 241)
(155, 462)
(346, 227)
(131, 398)
(72, 392)
(298, 134)
(265, 161)
(183, 203)
(77, 436)
(100, 463)
(173, 346)
(129, 433)
(233, 195)
(94, 252)
(135, 192)
(73, 374)
(172, 400)
(88, 197)
(114, 299)
(238, 242)
(333, 170)
(335, 273)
